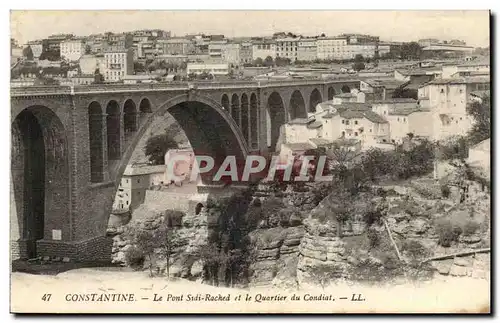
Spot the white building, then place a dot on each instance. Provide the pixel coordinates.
(332, 48)
(263, 49)
(447, 100)
(117, 63)
(287, 48)
(210, 68)
(72, 50)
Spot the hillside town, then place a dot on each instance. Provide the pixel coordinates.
(408, 152)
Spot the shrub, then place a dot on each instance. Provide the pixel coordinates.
(134, 257)
(373, 238)
(414, 249)
(445, 191)
(471, 227)
(447, 233)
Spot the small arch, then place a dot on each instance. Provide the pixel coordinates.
(113, 130)
(198, 209)
(345, 89)
(254, 117)
(297, 105)
(275, 119)
(145, 106)
(235, 109)
(314, 100)
(331, 93)
(129, 116)
(244, 117)
(225, 102)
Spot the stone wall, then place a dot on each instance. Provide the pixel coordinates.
(95, 249)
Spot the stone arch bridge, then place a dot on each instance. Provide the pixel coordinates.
(70, 146)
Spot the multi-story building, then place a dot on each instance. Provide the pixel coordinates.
(134, 184)
(97, 43)
(120, 40)
(54, 41)
(447, 100)
(332, 48)
(215, 48)
(246, 52)
(287, 48)
(231, 54)
(175, 46)
(152, 33)
(146, 49)
(263, 48)
(117, 63)
(307, 49)
(72, 50)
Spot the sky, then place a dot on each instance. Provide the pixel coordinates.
(470, 26)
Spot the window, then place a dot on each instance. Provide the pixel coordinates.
(343, 121)
(442, 90)
(138, 180)
(356, 133)
(347, 122)
(398, 119)
(127, 180)
(404, 120)
(355, 121)
(127, 202)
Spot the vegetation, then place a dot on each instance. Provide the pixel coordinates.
(445, 191)
(448, 232)
(481, 112)
(157, 146)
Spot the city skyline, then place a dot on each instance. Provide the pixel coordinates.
(470, 26)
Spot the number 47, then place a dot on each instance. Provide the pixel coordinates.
(46, 297)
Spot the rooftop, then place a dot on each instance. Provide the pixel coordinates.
(395, 100)
(320, 141)
(144, 170)
(463, 80)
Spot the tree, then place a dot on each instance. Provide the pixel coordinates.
(481, 113)
(411, 50)
(358, 66)
(157, 146)
(139, 67)
(359, 58)
(98, 77)
(28, 53)
(259, 61)
(405, 93)
(268, 62)
(163, 240)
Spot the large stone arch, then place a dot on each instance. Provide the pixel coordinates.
(276, 117)
(314, 99)
(297, 105)
(40, 181)
(210, 130)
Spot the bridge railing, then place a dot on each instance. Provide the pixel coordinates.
(179, 86)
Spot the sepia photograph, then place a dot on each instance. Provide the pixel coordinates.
(250, 161)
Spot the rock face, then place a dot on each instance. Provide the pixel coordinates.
(276, 252)
(322, 253)
(192, 234)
